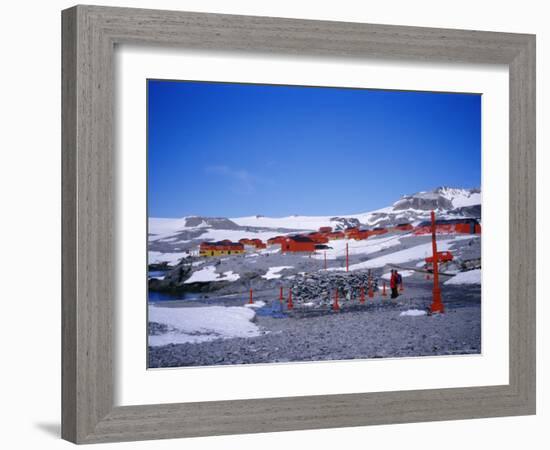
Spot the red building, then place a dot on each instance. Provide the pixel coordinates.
(360, 235)
(377, 231)
(325, 230)
(450, 226)
(403, 227)
(318, 238)
(298, 244)
(256, 243)
(277, 240)
(336, 235)
(351, 231)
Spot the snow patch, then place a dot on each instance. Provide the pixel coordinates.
(255, 305)
(273, 272)
(208, 273)
(469, 277)
(413, 312)
(202, 324)
(460, 197)
(170, 258)
(230, 276)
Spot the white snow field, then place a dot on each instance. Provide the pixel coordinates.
(235, 235)
(290, 222)
(305, 222)
(273, 272)
(208, 273)
(161, 228)
(202, 324)
(469, 277)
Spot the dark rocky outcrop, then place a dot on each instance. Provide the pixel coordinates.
(319, 287)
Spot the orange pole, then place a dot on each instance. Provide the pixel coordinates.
(362, 295)
(384, 289)
(437, 304)
(371, 293)
(281, 294)
(335, 305)
(250, 299)
(290, 305)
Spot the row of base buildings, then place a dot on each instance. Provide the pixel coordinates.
(316, 240)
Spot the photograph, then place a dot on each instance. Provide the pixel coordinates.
(292, 224)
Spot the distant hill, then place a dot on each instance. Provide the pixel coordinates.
(171, 239)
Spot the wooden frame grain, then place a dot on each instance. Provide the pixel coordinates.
(89, 34)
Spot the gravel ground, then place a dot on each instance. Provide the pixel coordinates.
(373, 331)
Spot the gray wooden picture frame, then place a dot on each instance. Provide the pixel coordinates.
(89, 36)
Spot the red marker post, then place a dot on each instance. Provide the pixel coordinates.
(290, 305)
(437, 303)
(371, 293)
(336, 305)
(250, 301)
(281, 294)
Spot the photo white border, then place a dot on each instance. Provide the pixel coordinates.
(135, 385)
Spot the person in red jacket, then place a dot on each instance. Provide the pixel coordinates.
(394, 284)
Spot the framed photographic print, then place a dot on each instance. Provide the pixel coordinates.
(246, 157)
(306, 210)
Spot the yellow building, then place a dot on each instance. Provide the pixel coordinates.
(221, 248)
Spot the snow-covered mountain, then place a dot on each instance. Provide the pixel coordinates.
(442, 198)
(414, 208)
(179, 236)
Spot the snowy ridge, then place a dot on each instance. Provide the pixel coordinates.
(461, 197)
(416, 206)
(170, 240)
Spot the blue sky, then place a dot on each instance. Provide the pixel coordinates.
(230, 150)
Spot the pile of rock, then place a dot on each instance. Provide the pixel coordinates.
(318, 288)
